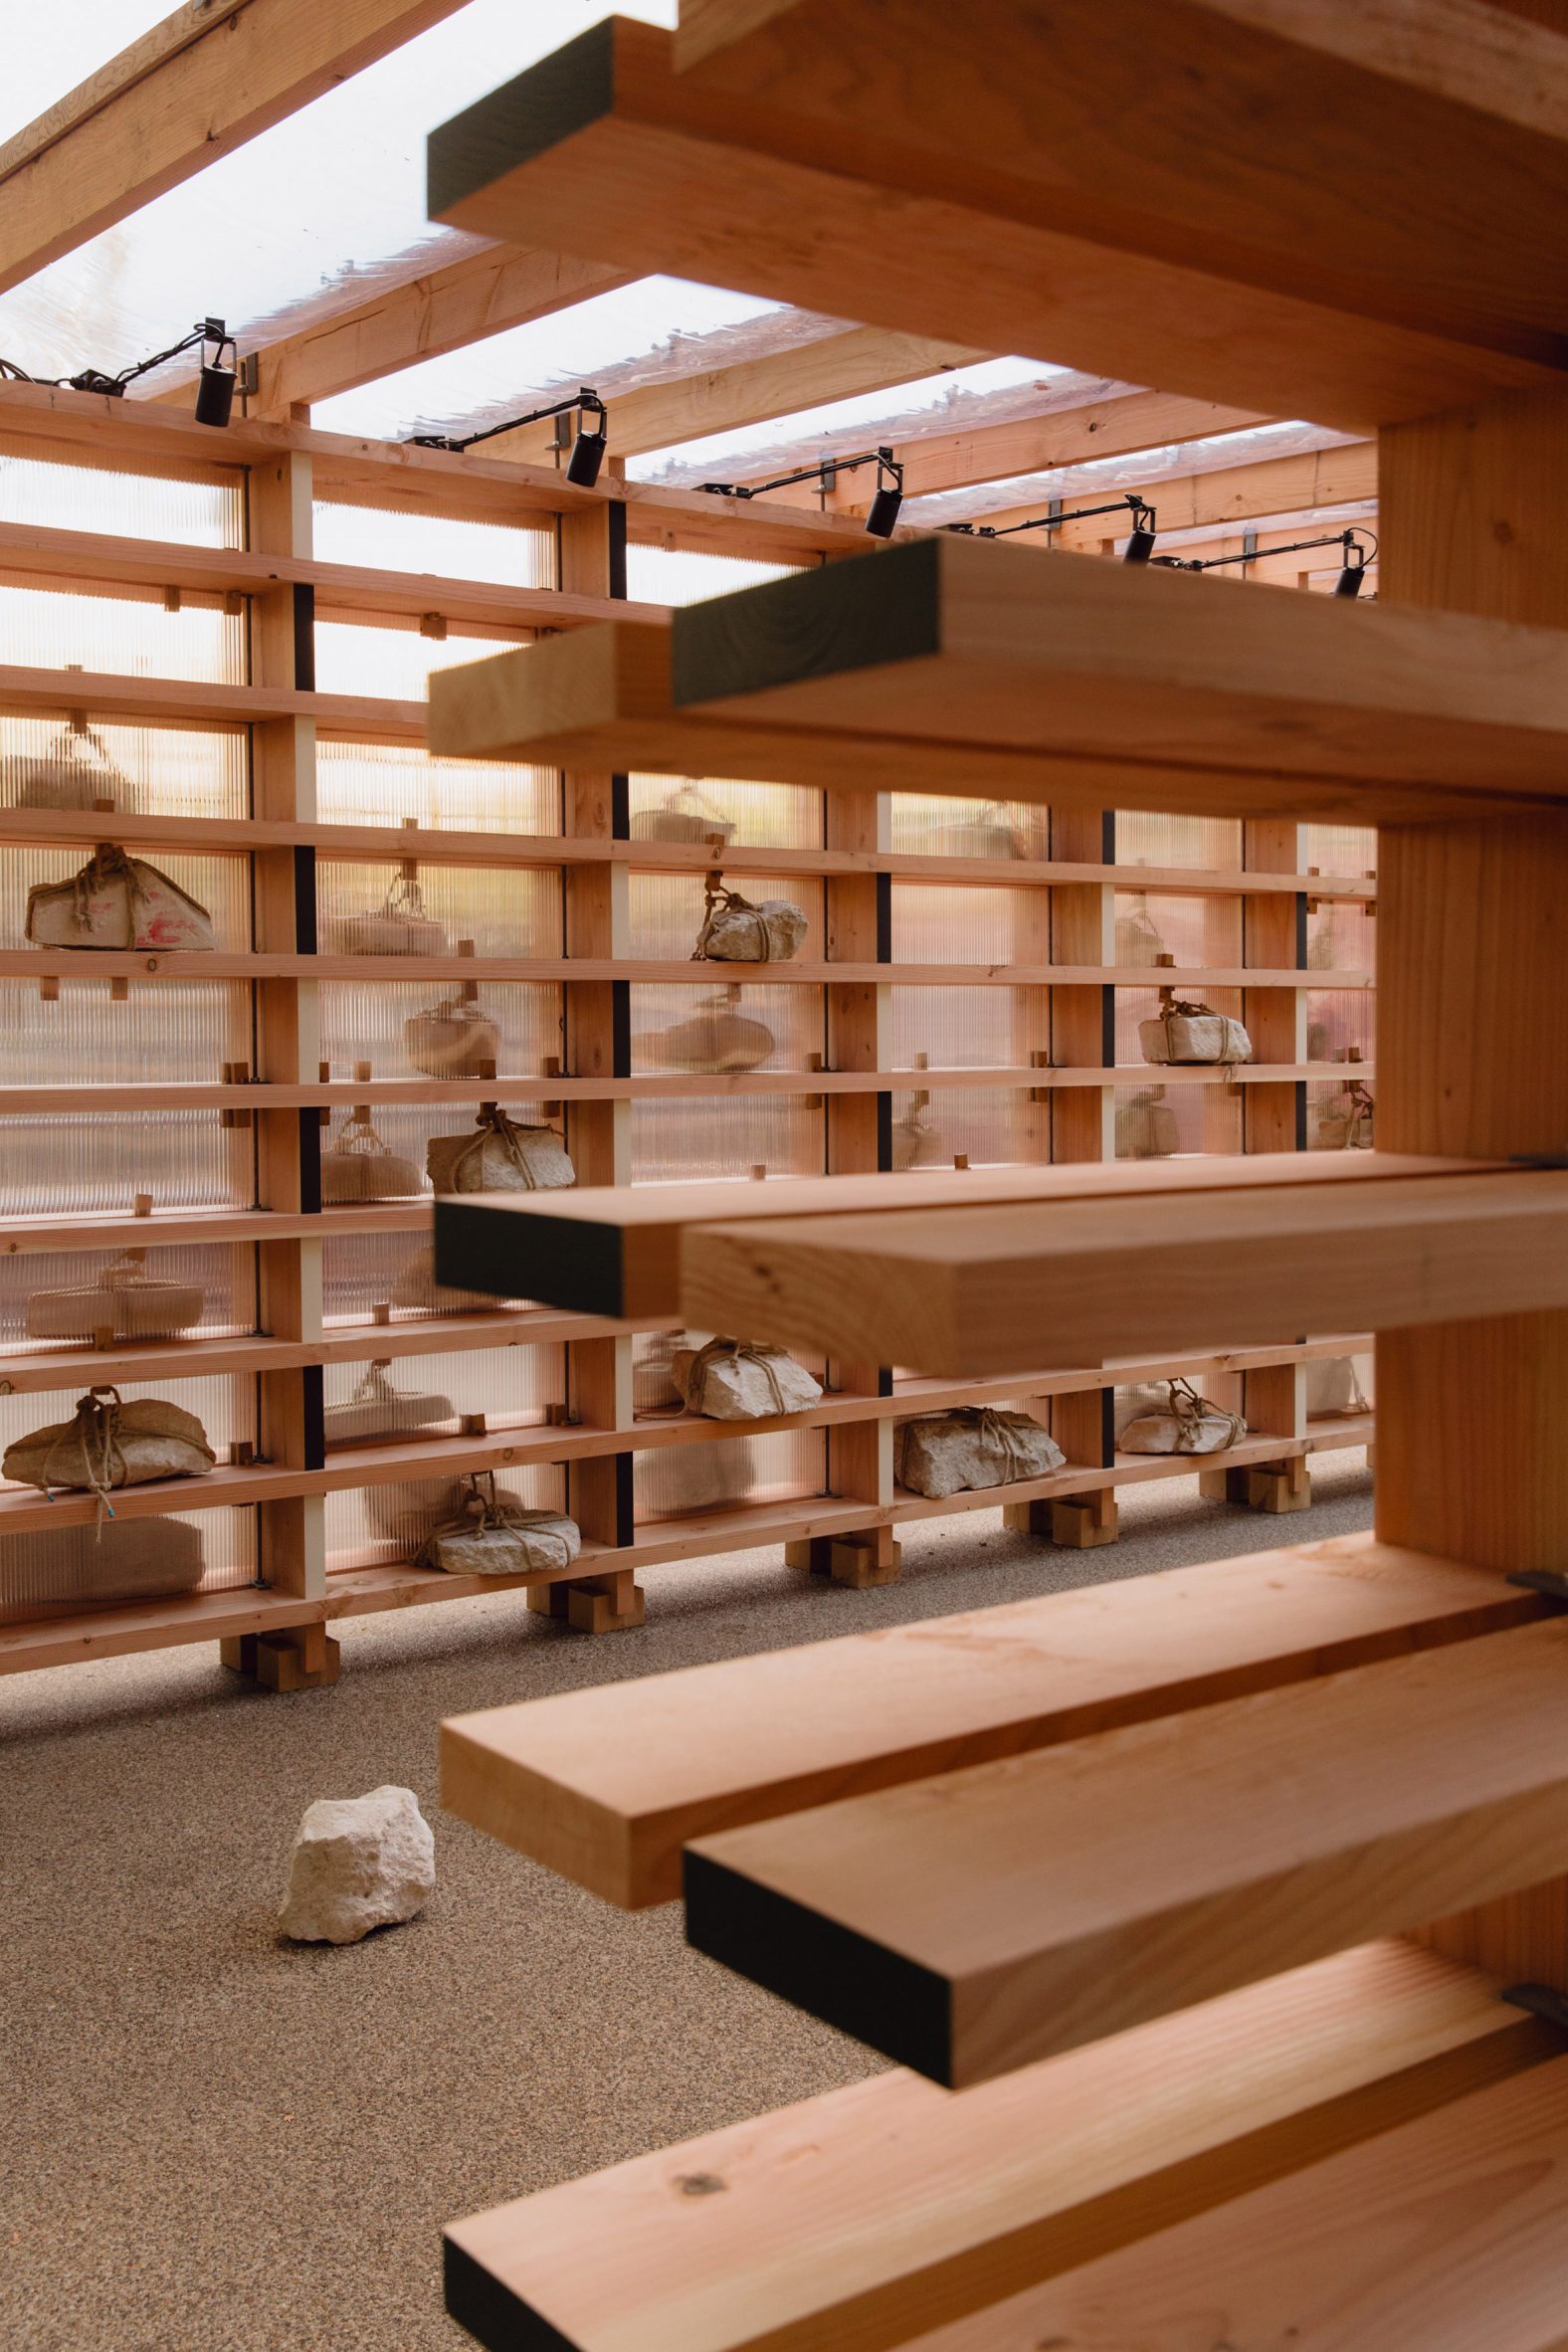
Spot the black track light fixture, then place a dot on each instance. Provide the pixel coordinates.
(882, 515)
(1140, 539)
(1352, 571)
(214, 381)
(588, 441)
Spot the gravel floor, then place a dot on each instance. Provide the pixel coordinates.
(216, 2142)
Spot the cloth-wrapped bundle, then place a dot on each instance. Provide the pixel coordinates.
(125, 1301)
(492, 1535)
(398, 926)
(500, 1155)
(359, 1167)
(974, 1446)
(76, 772)
(1334, 1387)
(714, 1037)
(734, 931)
(916, 1144)
(729, 1380)
(378, 1409)
(452, 1039)
(1344, 1122)
(1185, 1424)
(1184, 1033)
(106, 1445)
(1139, 939)
(655, 1388)
(1145, 1128)
(121, 1560)
(988, 834)
(711, 1476)
(117, 902)
(686, 815)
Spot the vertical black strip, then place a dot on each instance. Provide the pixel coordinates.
(313, 1401)
(625, 1514)
(1300, 1114)
(1108, 1427)
(305, 638)
(304, 901)
(1107, 837)
(619, 808)
(616, 536)
(884, 918)
(884, 1134)
(1300, 930)
(1107, 1029)
(311, 1161)
(621, 1028)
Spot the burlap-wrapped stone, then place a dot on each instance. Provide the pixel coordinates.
(1332, 1387)
(121, 1560)
(734, 931)
(125, 1301)
(73, 772)
(987, 834)
(1139, 939)
(378, 1409)
(398, 926)
(655, 1388)
(1186, 1424)
(453, 1040)
(1183, 1032)
(499, 1154)
(357, 1166)
(493, 1536)
(974, 1446)
(686, 815)
(106, 1443)
(728, 1379)
(916, 1144)
(1145, 1128)
(117, 902)
(716, 1037)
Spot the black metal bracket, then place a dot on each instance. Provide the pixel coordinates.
(1540, 2000)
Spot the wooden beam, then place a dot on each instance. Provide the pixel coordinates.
(681, 407)
(865, 2214)
(595, 1245)
(438, 311)
(1444, 2233)
(1230, 494)
(199, 84)
(967, 641)
(606, 1786)
(985, 1289)
(603, 147)
(604, 698)
(1369, 216)
(984, 1918)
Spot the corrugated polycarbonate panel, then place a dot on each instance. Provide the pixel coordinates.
(501, 909)
(398, 784)
(939, 825)
(1153, 837)
(512, 1386)
(384, 1023)
(62, 1569)
(783, 816)
(51, 763)
(1156, 1121)
(54, 1299)
(132, 506)
(389, 1277)
(357, 657)
(516, 555)
(382, 1524)
(220, 886)
(667, 911)
(720, 1473)
(675, 575)
(681, 1138)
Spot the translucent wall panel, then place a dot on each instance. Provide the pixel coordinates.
(220, 885)
(783, 816)
(968, 1028)
(721, 1474)
(1196, 931)
(132, 506)
(939, 825)
(518, 555)
(502, 909)
(398, 783)
(427, 1396)
(92, 1164)
(372, 1022)
(1340, 849)
(372, 1526)
(991, 1127)
(1341, 1024)
(226, 1409)
(62, 1569)
(52, 1299)
(357, 657)
(48, 629)
(389, 1277)
(1155, 1121)
(393, 1166)
(669, 575)
(724, 1027)
(969, 924)
(1340, 1116)
(1134, 1006)
(50, 763)
(1152, 837)
(685, 1137)
(665, 911)
(1336, 1387)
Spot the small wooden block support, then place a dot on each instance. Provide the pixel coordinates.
(1080, 1521)
(301, 1658)
(1262, 1487)
(863, 1560)
(813, 1552)
(610, 1604)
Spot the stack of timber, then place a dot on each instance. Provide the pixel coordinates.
(1218, 1925)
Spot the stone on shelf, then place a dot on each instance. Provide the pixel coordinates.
(358, 1862)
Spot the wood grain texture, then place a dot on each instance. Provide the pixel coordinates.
(977, 1921)
(856, 2217)
(604, 147)
(980, 1290)
(595, 1245)
(606, 1786)
(1444, 2233)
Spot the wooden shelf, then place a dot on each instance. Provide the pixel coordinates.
(1038, 2174)
(604, 1250)
(205, 703)
(1018, 1909)
(972, 642)
(168, 1226)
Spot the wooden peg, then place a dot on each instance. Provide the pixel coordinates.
(106, 806)
(1039, 1058)
(484, 1068)
(234, 604)
(960, 1159)
(119, 991)
(1168, 961)
(473, 1424)
(173, 598)
(361, 1073)
(49, 991)
(381, 1312)
(236, 1074)
(760, 1171)
(141, 1206)
(104, 1338)
(923, 1061)
(432, 625)
(241, 1452)
(552, 1069)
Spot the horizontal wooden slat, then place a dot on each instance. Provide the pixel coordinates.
(962, 1289)
(854, 2218)
(206, 702)
(603, 698)
(1444, 2233)
(603, 148)
(32, 1234)
(607, 1785)
(606, 1250)
(971, 642)
(982, 1920)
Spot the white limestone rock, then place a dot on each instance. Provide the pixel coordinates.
(358, 1862)
(974, 1446)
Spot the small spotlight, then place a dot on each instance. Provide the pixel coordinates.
(582, 466)
(1140, 539)
(883, 513)
(1352, 572)
(215, 382)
